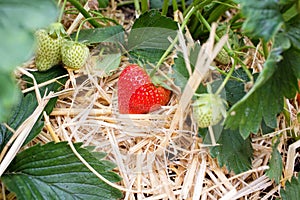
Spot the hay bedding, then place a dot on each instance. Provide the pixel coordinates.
(158, 155)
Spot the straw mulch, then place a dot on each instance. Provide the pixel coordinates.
(158, 155)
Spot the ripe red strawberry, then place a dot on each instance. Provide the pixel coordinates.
(137, 94)
(148, 98)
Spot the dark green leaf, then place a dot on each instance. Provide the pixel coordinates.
(42, 77)
(52, 171)
(265, 99)
(265, 129)
(159, 3)
(153, 18)
(19, 114)
(114, 34)
(292, 57)
(235, 89)
(18, 20)
(156, 3)
(234, 152)
(16, 47)
(275, 164)
(9, 95)
(103, 3)
(109, 63)
(181, 74)
(282, 42)
(28, 103)
(293, 31)
(292, 189)
(148, 38)
(263, 18)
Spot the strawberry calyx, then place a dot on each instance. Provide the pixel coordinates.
(56, 30)
(160, 81)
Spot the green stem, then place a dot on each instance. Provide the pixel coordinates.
(265, 48)
(197, 4)
(183, 5)
(104, 19)
(58, 3)
(225, 74)
(175, 6)
(81, 24)
(166, 53)
(228, 76)
(165, 7)
(137, 6)
(62, 9)
(124, 3)
(144, 5)
(230, 53)
(81, 9)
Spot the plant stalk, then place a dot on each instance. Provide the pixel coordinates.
(137, 6)
(165, 7)
(62, 9)
(186, 19)
(86, 14)
(144, 5)
(228, 76)
(230, 53)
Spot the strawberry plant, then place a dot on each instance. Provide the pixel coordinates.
(225, 98)
(38, 161)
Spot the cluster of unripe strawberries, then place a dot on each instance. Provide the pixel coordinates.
(53, 48)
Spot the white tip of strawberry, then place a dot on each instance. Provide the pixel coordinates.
(209, 109)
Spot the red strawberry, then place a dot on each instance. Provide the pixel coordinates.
(148, 98)
(137, 94)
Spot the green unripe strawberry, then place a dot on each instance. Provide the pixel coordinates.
(74, 54)
(223, 57)
(48, 52)
(209, 109)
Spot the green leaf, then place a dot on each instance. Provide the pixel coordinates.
(292, 189)
(45, 76)
(18, 20)
(114, 34)
(181, 74)
(233, 151)
(275, 164)
(263, 18)
(235, 89)
(103, 3)
(148, 38)
(292, 31)
(9, 94)
(28, 103)
(109, 63)
(292, 58)
(52, 171)
(19, 114)
(265, 99)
